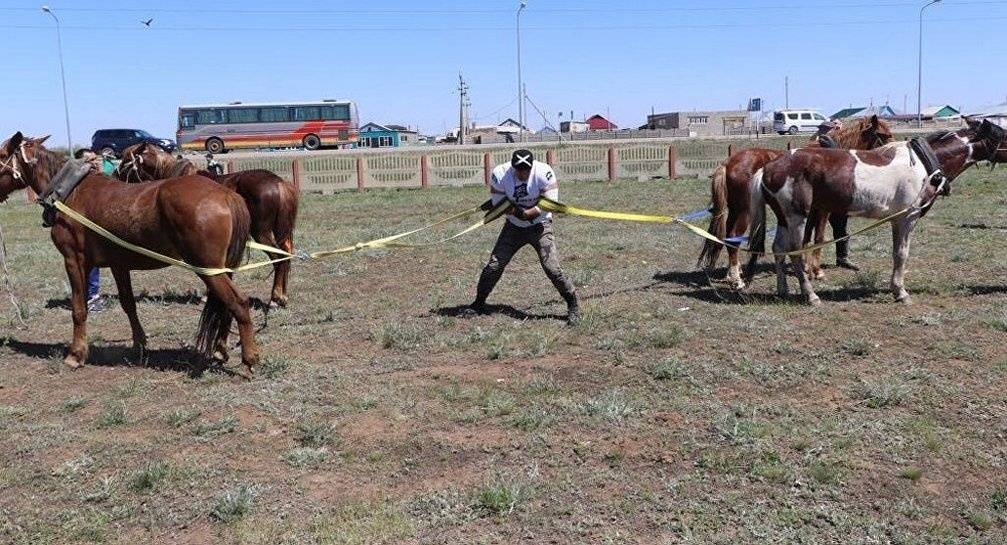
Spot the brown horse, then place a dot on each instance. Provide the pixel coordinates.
(271, 201)
(189, 218)
(731, 183)
(891, 183)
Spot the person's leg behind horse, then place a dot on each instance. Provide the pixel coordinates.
(544, 242)
(796, 225)
(839, 223)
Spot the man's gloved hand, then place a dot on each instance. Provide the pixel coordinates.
(519, 213)
(486, 206)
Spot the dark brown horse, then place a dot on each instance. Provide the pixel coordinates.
(731, 183)
(891, 183)
(271, 201)
(189, 218)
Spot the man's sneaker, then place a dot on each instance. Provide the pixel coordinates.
(96, 304)
(573, 315)
(475, 308)
(845, 263)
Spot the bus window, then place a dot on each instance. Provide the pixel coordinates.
(306, 113)
(243, 115)
(210, 117)
(339, 112)
(187, 119)
(273, 115)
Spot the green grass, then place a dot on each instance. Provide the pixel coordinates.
(380, 415)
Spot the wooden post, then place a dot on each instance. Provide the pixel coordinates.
(487, 168)
(730, 150)
(550, 157)
(789, 145)
(672, 162)
(295, 168)
(424, 172)
(360, 172)
(230, 167)
(611, 164)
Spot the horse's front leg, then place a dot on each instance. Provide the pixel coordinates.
(76, 272)
(902, 230)
(127, 301)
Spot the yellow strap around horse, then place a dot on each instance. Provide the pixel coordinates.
(560, 208)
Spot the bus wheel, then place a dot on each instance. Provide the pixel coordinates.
(215, 145)
(311, 142)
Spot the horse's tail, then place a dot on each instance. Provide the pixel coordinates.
(718, 223)
(757, 206)
(215, 321)
(286, 215)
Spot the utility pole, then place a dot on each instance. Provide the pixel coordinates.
(786, 92)
(520, 84)
(919, 72)
(62, 75)
(463, 103)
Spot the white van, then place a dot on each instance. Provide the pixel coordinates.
(795, 121)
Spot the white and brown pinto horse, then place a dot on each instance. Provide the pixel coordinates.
(871, 184)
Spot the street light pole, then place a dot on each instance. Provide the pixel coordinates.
(919, 70)
(62, 75)
(520, 85)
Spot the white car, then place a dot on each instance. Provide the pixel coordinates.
(795, 121)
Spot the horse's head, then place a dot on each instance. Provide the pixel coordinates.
(987, 140)
(875, 133)
(139, 163)
(17, 155)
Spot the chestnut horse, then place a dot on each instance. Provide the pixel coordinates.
(189, 218)
(271, 201)
(888, 182)
(731, 187)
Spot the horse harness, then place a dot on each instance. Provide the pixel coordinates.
(63, 184)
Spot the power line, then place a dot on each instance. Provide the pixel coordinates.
(490, 28)
(469, 11)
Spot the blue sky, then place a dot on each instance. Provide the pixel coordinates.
(400, 59)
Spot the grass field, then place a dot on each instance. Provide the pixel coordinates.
(676, 412)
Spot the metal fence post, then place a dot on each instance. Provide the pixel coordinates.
(487, 168)
(230, 167)
(550, 157)
(611, 164)
(672, 162)
(360, 172)
(424, 171)
(295, 169)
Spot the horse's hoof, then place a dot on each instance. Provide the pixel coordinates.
(278, 302)
(904, 299)
(814, 301)
(245, 372)
(73, 362)
(220, 355)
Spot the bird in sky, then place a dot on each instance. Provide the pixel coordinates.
(148, 21)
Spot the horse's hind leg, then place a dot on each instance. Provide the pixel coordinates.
(124, 285)
(819, 220)
(780, 243)
(278, 297)
(236, 303)
(797, 226)
(737, 225)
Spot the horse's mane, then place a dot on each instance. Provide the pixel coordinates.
(848, 136)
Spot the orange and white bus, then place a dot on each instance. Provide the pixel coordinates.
(217, 128)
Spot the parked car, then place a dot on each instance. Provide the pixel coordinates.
(795, 121)
(114, 141)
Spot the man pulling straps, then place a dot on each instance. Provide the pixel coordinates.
(522, 182)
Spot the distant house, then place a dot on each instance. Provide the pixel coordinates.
(996, 114)
(598, 123)
(373, 135)
(700, 123)
(573, 126)
(510, 123)
(855, 112)
(547, 130)
(943, 111)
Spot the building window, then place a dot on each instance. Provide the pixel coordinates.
(698, 119)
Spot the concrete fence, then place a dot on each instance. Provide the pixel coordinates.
(331, 171)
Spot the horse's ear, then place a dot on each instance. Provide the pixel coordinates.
(40, 139)
(972, 123)
(874, 121)
(14, 143)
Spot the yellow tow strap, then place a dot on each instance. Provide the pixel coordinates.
(560, 208)
(385, 242)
